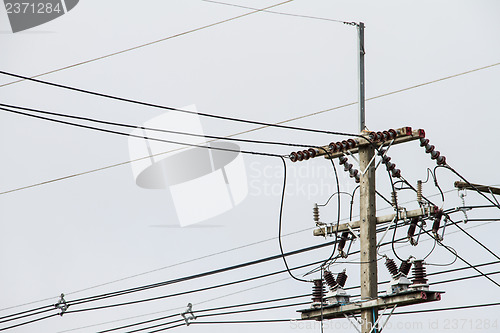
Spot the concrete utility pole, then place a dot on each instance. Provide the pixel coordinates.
(338, 305)
(368, 222)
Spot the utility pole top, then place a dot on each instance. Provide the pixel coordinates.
(361, 72)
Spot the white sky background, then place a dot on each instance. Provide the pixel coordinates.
(96, 228)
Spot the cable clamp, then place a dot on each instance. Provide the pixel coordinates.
(61, 305)
(188, 314)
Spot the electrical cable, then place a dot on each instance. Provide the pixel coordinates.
(150, 43)
(169, 266)
(280, 222)
(208, 310)
(247, 131)
(139, 136)
(449, 308)
(163, 107)
(358, 251)
(281, 13)
(447, 166)
(155, 129)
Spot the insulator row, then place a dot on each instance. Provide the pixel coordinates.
(336, 147)
(318, 292)
(384, 135)
(330, 280)
(302, 155)
(419, 274)
(404, 268)
(430, 149)
(391, 266)
(391, 167)
(316, 213)
(342, 278)
(348, 167)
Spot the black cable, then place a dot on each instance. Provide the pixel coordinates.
(465, 261)
(447, 166)
(29, 322)
(474, 239)
(328, 243)
(280, 222)
(226, 313)
(208, 310)
(139, 136)
(449, 308)
(154, 129)
(163, 107)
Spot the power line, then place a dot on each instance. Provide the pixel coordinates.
(139, 136)
(150, 43)
(450, 308)
(184, 262)
(163, 107)
(99, 121)
(246, 131)
(281, 13)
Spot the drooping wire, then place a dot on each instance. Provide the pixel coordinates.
(280, 223)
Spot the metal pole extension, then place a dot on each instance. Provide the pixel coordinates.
(368, 220)
(361, 72)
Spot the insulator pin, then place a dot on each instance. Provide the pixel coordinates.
(419, 191)
(316, 213)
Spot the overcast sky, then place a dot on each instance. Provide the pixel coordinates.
(100, 227)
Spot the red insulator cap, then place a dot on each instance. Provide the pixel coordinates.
(407, 130)
(421, 133)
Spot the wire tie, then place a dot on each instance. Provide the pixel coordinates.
(62, 305)
(188, 314)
